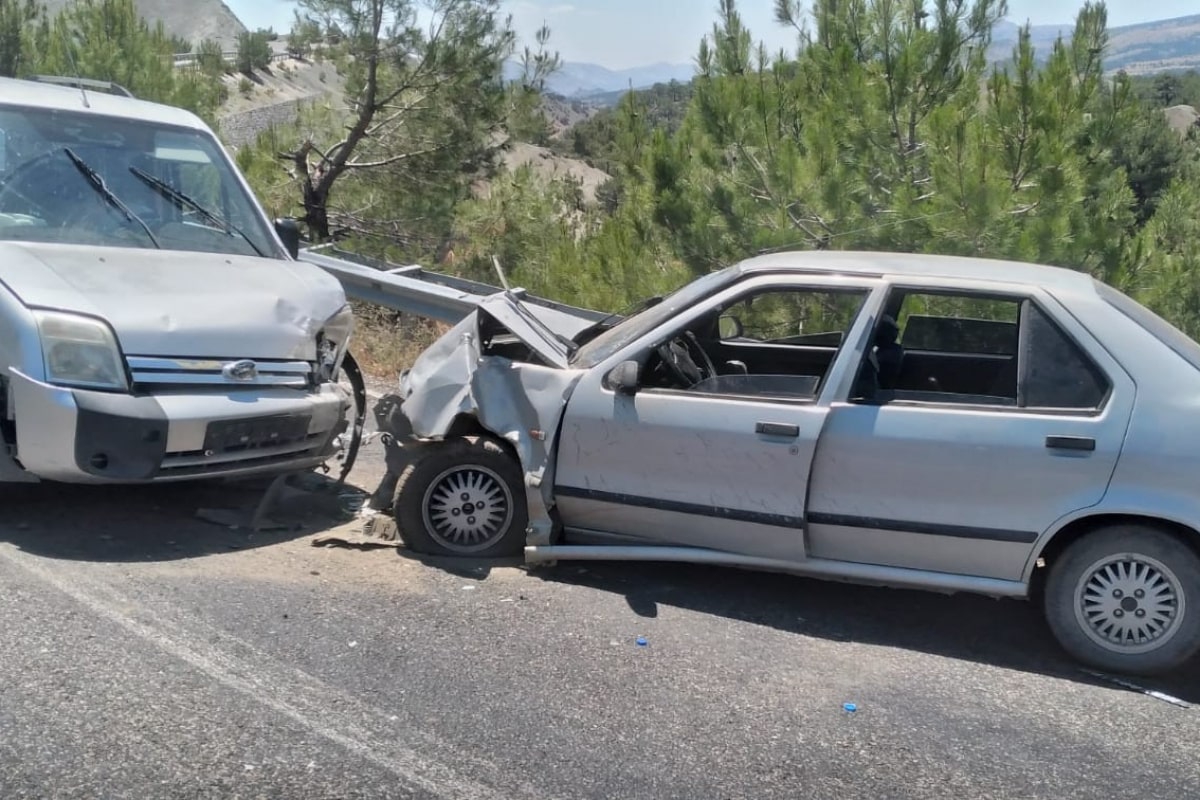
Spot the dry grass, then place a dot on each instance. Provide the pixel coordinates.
(387, 342)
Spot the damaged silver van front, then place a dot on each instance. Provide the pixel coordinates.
(155, 325)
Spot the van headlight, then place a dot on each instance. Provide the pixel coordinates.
(333, 341)
(80, 351)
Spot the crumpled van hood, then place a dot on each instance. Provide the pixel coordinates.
(180, 303)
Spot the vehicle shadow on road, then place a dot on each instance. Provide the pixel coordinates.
(1004, 633)
(162, 522)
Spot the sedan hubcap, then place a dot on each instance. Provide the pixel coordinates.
(1129, 603)
(467, 509)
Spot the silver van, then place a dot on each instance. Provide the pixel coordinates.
(153, 324)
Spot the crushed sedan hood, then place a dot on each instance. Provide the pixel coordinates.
(539, 327)
(176, 303)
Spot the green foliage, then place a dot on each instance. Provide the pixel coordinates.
(526, 117)
(16, 20)
(1169, 89)
(426, 104)
(885, 129)
(306, 33)
(210, 57)
(103, 40)
(661, 107)
(253, 51)
(549, 246)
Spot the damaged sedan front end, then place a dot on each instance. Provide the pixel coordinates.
(501, 376)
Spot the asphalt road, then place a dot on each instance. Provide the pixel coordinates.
(148, 654)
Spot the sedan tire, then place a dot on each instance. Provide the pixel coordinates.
(1126, 599)
(462, 497)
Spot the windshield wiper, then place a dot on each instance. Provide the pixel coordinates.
(181, 200)
(102, 189)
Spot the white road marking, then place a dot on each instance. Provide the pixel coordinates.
(322, 709)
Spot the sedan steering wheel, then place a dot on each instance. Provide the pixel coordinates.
(677, 356)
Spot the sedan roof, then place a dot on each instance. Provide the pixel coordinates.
(919, 265)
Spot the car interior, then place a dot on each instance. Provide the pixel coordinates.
(926, 347)
(777, 343)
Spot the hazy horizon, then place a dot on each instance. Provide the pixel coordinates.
(621, 34)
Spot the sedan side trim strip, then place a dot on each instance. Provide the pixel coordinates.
(734, 514)
(930, 528)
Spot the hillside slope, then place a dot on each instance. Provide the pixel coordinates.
(1169, 44)
(193, 20)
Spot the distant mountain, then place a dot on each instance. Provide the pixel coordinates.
(576, 80)
(1169, 44)
(1156, 46)
(1172, 44)
(194, 20)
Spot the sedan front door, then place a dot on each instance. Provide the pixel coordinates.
(722, 463)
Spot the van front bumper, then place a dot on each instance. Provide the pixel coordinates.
(80, 436)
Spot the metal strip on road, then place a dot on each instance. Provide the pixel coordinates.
(328, 712)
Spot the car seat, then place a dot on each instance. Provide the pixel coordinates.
(889, 354)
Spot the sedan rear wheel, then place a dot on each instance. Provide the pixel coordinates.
(1126, 599)
(462, 497)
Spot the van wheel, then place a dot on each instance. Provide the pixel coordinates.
(462, 497)
(1126, 599)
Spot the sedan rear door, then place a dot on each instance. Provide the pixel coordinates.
(1009, 420)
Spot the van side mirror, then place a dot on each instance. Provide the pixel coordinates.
(624, 378)
(289, 234)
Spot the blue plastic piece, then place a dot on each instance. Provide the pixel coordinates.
(641, 641)
(851, 707)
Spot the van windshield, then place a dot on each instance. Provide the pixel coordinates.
(78, 178)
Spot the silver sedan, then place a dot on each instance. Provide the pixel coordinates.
(942, 423)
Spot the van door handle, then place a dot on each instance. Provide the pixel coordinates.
(1085, 443)
(777, 429)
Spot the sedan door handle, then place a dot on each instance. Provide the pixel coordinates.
(1085, 443)
(777, 429)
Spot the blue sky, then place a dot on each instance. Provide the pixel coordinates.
(629, 33)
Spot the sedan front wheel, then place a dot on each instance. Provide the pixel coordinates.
(1126, 599)
(462, 497)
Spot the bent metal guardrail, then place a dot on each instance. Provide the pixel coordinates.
(413, 289)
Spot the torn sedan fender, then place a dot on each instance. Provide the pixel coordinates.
(504, 370)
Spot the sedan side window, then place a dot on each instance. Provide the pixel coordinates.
(774, 343)
(971, 349)
(1055, 372)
